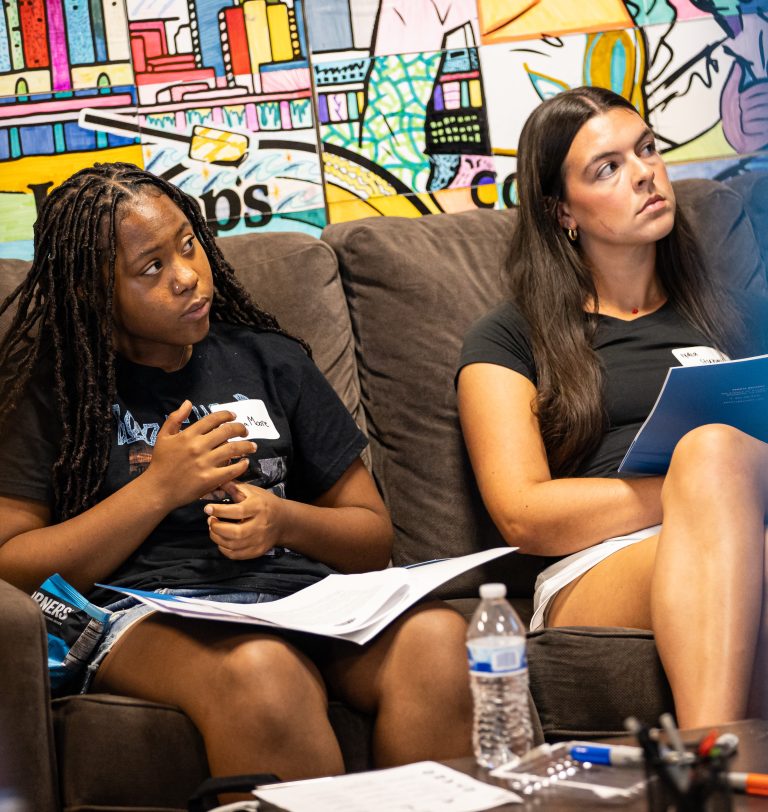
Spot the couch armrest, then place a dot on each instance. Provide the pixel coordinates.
(27, 759)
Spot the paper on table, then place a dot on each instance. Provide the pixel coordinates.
(352, 607)
(422, 787)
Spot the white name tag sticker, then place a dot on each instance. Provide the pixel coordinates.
(697, 356)
(253, 415)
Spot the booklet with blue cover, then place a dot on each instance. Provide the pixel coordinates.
(730, 392)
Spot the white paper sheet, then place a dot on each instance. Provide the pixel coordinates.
(352, 607)
(422, 787)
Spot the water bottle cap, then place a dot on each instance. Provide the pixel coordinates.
(492, 591)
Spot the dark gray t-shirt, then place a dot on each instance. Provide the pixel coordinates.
(635, 356)
(308, 441)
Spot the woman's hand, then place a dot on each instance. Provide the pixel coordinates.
(250, 525)
(190, 463)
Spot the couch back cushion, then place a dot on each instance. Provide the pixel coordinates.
(295, 277)
(414, 287)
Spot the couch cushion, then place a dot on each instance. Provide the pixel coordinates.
(414, 287)
(159, 755)
(718, 214)
(295, 277)
(753, 188)
(585, 681)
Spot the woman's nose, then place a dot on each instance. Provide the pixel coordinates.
(185, 278)
(644, 174)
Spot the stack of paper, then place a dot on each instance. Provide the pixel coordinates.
(423, 787)
(351, 607)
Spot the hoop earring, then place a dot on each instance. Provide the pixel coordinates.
(573, 234)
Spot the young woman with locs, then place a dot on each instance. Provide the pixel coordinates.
(607, 291)
(113, 469)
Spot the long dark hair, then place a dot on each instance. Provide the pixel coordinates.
(551, 283)
(65, 310)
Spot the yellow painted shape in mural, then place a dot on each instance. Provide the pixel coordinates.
(710, 145)
(89, 76)
(501, 21)
(217, 146)
(601, 58)
(16, 176)
(343, 206)
(361, 181)
(475, 93)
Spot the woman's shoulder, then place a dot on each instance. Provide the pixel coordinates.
(499, 325)
(501, 337)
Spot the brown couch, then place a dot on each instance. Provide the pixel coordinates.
(384, 303)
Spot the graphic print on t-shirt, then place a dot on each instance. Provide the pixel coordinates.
(268, 473)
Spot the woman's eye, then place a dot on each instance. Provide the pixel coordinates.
(648, 148)
(606, 170)
(189, 243)
(151, 270)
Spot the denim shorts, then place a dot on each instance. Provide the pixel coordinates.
(127, 610)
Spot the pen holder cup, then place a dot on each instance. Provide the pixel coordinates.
(698, 787)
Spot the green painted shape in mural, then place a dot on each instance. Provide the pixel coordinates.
(17, 216)
(391, 133)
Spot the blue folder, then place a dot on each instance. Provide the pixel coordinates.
(730, 392)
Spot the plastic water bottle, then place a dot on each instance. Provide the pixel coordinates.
(498, 671)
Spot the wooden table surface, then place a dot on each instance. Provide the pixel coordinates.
(752, 756)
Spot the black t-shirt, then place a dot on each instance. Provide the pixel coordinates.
(306, 440)
(635, 356)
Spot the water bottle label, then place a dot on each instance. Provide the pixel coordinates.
(497, 660)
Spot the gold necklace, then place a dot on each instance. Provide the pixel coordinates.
(180, 362)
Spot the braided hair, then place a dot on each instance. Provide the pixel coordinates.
(64, 313)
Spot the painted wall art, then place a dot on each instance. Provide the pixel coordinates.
(289, 114)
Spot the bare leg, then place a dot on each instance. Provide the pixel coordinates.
(415, 678)
(709, 580)
(757, 706)
(259, 704)
(700, 584)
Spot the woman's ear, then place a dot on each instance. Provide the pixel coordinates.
(564, 216)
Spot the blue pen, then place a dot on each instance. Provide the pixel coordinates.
(617, 755)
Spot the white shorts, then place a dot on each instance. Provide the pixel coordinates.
(554, 578)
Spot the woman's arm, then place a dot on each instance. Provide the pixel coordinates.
(347, 528)
(532, 511)
(87, 548)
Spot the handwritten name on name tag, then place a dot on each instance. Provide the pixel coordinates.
(696, 356)
(253, 415)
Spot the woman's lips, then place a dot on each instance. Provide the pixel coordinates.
(198, 310)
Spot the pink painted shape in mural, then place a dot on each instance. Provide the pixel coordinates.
(410, 26)
(337, 106)
(685, 10)
(452, 95)
(469, 167)
(285, 115)
(277, 81)
(57, 106)
(60, 79)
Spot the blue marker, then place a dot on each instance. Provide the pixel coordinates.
(617, 755)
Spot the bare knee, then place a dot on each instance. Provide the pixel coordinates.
(710, 457)
(263, 681)
(431, 643)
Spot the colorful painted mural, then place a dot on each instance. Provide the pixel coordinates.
(287, 114)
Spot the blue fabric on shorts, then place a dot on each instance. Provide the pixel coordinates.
(128, 610)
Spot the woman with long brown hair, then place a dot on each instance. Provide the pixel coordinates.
(608, 290)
